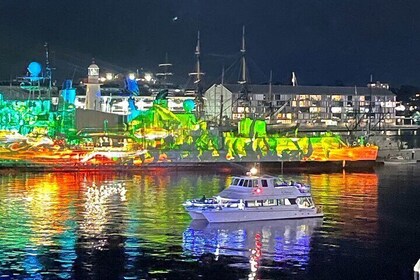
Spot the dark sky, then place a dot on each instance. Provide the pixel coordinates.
(324, 41)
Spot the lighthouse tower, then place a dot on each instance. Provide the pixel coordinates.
(93, 88)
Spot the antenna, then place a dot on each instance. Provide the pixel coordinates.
(221, 97)
(270, 92)
(48, 70)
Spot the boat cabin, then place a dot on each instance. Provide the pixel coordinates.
(267, 191)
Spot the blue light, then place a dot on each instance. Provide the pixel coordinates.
(34, 69)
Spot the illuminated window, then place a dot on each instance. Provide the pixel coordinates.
(316, 97)
(270, 202)
(254, 203)
(336, 98)
(335, 109)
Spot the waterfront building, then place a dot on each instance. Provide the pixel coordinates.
(373, 105)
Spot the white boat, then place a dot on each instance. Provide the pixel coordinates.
(397, 160)
(256, 198)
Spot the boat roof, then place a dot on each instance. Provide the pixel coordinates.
(275, 188)
(265, 176)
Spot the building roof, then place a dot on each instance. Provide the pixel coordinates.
(310, 90)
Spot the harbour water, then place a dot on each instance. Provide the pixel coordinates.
(133, 226)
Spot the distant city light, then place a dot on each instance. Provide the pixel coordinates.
(254, 171)
(109, 76)
(400, 108)
(132, 76)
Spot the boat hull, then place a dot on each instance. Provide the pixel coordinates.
(196, 215)
(399, 162)
(226, 215)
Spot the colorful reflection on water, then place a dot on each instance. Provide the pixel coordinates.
(281, 242)
(50, 220)
(115, 225)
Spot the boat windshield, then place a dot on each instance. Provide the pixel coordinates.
(235, 181)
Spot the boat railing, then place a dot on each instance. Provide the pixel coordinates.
(212, 203)
(304, 188)
(300, 186)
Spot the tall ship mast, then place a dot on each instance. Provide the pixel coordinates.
(165, 72)
(243, 78)
(244, 97)
(198, 78)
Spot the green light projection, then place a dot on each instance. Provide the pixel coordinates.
(31, 133)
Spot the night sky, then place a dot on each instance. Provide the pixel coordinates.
(326, 42)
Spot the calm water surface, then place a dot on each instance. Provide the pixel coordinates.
(133, 226)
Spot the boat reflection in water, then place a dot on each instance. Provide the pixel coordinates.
(275, 243)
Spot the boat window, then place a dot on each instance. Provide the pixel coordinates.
(235, 181)
(245, 183)
(292, 200)
(250, 204)
(255, 183)
(254, 203)
(241, 182)
(270, 202)
(288, 201)
(264, 183)
(281, 201)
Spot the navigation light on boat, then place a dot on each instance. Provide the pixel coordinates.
(257, 190)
